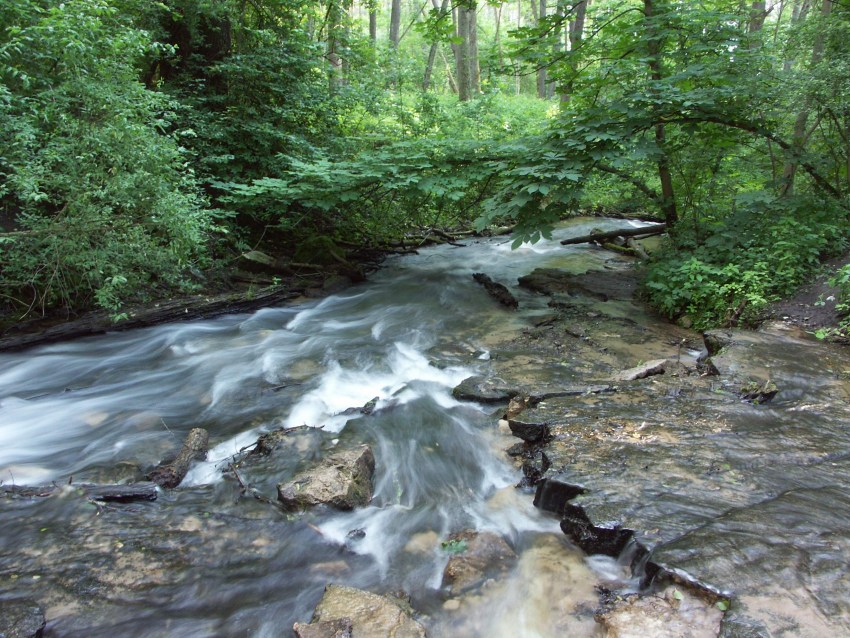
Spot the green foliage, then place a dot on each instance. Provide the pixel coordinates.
(102, 201)
(374, 197)
(729, 272)
(456, 546)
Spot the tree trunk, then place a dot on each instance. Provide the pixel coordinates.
(334, 45)
(668, 198)
(542, 73)
(395, 23)
(576, 33)
(758, 12)
(497, 40)
(432, 53)
(373, 27)
(474, 66)
(518, 76)
(799, 136)
(449, 75)
(468, 74)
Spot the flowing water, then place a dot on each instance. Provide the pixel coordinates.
(201, 561)
(751, 499)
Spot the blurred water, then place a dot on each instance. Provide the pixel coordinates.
(84, 408)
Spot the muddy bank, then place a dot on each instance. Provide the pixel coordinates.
(741, 494)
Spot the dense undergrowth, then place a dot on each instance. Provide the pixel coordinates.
(145, 146)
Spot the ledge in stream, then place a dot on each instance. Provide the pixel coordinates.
(613, 539)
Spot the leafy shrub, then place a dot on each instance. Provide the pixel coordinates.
(729, 272)
(103, 206)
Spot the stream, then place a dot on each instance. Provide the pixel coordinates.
(206, 559)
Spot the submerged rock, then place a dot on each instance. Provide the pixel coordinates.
(756, 392)
(339, 628)
(496, 290)
(672, 612)
(343, 481)
(360, 613)
(21, 619)
(475, 557)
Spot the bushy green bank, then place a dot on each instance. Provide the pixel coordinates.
(728, 272)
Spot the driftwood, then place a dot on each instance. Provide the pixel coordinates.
(646, 231)
(106, 493)
(194, 447)
(496, 290)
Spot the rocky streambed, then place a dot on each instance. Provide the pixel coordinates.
(717, 464)
(573, 467)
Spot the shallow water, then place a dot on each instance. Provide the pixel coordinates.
(203, 561)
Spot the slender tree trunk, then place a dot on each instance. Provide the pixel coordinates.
(668, 198)
(466, 53)
(432, 53)
(559, 45)
(334, 45)
(497, 39)
(576, 33)
(800, 136)
(758, 12)
(373, 27)
(542, 74)
(395, 23)
(799, 11)
(518, 77)
(474, 66)
(449, 75)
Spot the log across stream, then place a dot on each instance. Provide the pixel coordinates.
(679, 462)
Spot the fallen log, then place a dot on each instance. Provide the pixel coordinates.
(170, 474)
(496, 290)
(645, 231)
(183, 309)
(107, 493)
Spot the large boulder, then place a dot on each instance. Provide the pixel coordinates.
(343, 481)
(346, 611)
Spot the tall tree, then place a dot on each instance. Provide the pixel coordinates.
(542, 73)
(800, 133)
(395, 23)
(468, 72)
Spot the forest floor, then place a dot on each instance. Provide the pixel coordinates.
(813, 306)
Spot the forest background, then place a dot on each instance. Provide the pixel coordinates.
(144, 145)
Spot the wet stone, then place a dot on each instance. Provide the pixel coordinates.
(551, 281)
(530, 432)
(342, 481)
(759, 393)
(672, 612)
(648, 369)
(21, 619)
(339, 628)
(553, 496)
(607, 538)
(482, 390)
(370, 616)
(475, 557)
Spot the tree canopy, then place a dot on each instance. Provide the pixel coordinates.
(144, 145)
